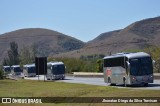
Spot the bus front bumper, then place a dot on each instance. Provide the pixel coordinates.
(141, 79)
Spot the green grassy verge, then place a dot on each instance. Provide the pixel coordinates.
(28, 88)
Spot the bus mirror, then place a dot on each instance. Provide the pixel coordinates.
(128, 64)
(153, 62)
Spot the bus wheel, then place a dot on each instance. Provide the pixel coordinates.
(112, 84)
(109, 80)
(145, 84)
(124, 82)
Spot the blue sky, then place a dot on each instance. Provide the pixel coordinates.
(82, 19)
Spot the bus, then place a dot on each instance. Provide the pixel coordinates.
(6, 70)
(55, 70)
(16, 71)
(29, 70)
(128, 69)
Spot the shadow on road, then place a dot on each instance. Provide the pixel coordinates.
(68, 79)
(55, 80)
(141, 85)
(60, 79)
(153, 85)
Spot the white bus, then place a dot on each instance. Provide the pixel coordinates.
(128, 69)
(55, 70)
(29, 70)
(6, 70)
(16, 71)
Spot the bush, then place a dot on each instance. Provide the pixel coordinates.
(1, 74)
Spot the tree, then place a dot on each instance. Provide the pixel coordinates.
(34, 51)
(154, 51)
(1, 72)
(13, 56)
(5, 62)
(25, 55)
(28, 54)
(100, 65)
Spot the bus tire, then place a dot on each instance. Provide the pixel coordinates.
(124, 82)
(109, 80)
(112, 84)
(145, 84)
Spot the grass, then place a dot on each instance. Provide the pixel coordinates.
(28, 88)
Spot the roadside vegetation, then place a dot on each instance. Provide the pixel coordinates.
(91, 63)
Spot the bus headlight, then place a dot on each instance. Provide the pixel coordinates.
(133, 78)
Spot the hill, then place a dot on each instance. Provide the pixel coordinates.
(47, 41)
(135, 36)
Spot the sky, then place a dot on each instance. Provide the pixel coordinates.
(82, 19)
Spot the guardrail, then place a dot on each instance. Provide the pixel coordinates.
(156, 75)
(87, 74)
(92, 74)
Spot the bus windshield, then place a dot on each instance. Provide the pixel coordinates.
(7, 69)
(31, 70)
(141, 66)
(17, 69)
(58, 69)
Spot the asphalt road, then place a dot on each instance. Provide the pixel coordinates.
(98, 81)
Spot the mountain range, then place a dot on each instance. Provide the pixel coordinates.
(138, 35)
(47, 42)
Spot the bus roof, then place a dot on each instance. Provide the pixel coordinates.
(6, 66)
(29, 65)
(128, 55)
(15, 66)
(55, 63)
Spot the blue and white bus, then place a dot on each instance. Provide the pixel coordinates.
(128, 69)
(55, 70)
(29, 70)
(6, 70)
(16, 71)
